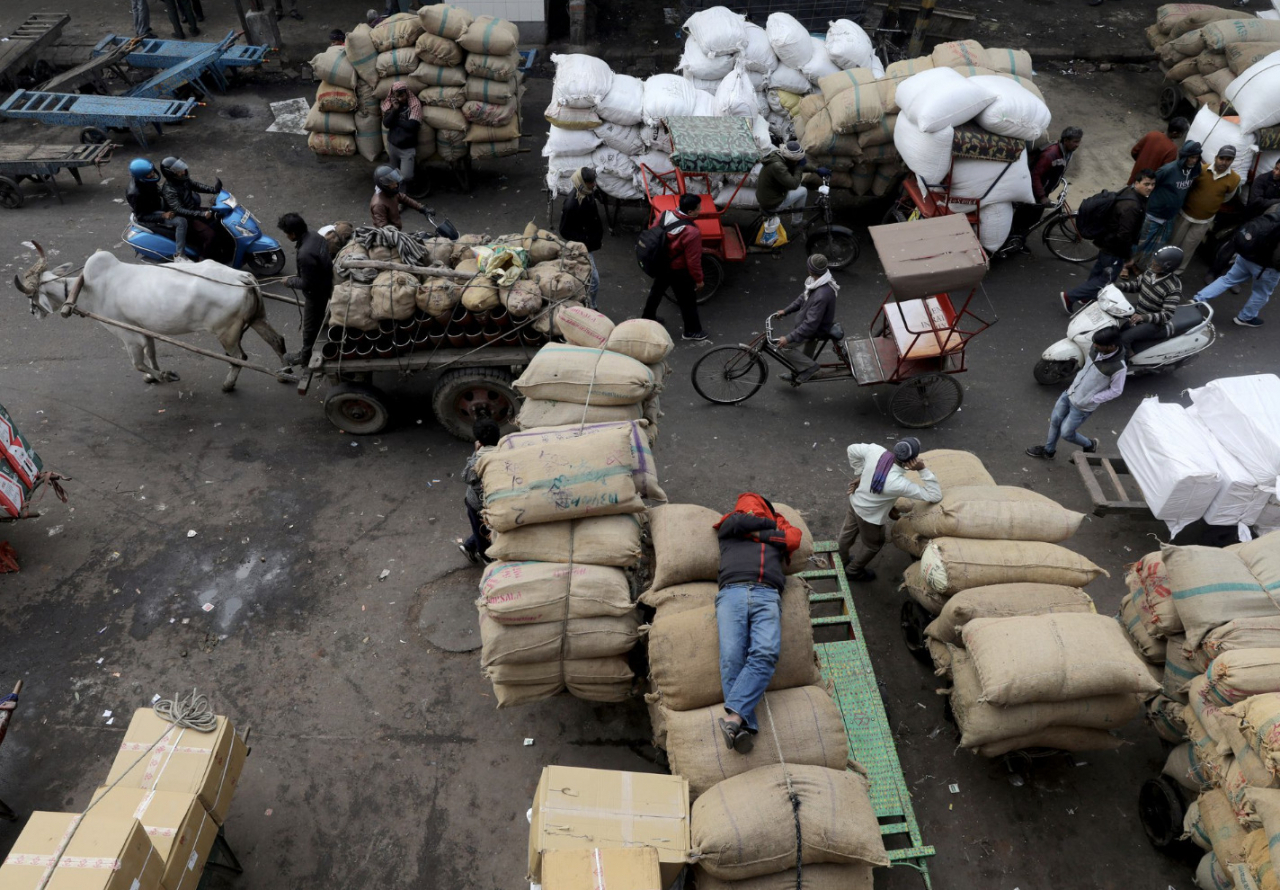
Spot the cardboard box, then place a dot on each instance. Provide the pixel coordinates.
(627, 868)
(206, 764)
(177, 823)
(103, 854)
(930, 256)
(581, 809)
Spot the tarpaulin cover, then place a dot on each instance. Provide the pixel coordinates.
(1172, 458)
(712, 144)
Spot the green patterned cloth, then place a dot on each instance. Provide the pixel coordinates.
(973, 142)
(712, 144)
(1268, 138)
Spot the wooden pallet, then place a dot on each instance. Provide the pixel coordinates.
(1096, 469)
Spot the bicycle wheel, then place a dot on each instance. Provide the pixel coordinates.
(1066, 243)
(728, 375)
(897, 213)
(712, 278)
(840, 249)
(926, 399)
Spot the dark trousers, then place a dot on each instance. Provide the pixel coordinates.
(1105, 270)
(682, 285)
(182, 8)
(1024, 217)
(1133, 333)
(312, 317)
(479, 540)
(859, 540)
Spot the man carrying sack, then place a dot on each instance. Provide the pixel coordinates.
(755, 543)
(882, 479)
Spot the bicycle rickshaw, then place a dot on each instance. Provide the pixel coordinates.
(922, 200)
(916, 339)
(707, 147)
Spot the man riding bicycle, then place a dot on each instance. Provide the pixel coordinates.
(817, 308)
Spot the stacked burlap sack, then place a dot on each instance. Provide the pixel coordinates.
(331, 122)
(743, 824)
(463, 68)
(1212, 616)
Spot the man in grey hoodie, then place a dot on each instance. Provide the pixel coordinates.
(1100, 380)
(817, 308)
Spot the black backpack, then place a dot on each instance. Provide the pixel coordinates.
(1249, 236)
(1095, 213)
(651, 249)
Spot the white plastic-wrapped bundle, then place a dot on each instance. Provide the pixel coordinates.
(696, 64)
(1166, 452)
(570, 142)
(941, 98)
(624, 101)
(582, 81)
(667, 95)
(718, 31)
(1016, 111)
(759, 80)
(735, 96)
(622, 188)
(819, 64)
(1242, 412)
(1256, 94)
(926, 154)
(995, 219)
(784, 77)
(625, 139)
(789, 39)
(1239, 499)
(758, 54)
(1213, 132)
(848, 45)
(992, 181)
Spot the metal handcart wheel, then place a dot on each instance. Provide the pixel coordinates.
(1161, 808)
(926, 399)
(92, 136)
(10, 195)
(1170, 101)
(914, 618)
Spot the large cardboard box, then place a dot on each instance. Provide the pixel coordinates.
(626, 868)
(930, 256)
(103, 854)
(206, 764)
(581, 809)
(177, 823)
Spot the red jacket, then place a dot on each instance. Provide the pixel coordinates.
(1047, 172)
(756, 542)
(684, 245)
(1152, 151)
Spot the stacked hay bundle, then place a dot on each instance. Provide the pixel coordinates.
(331, 122)
(743, 827)
(1213, 614)
(493, 87)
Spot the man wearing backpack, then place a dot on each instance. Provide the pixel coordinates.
(1257, 245)
(674, 259)
(1215, 186)
(1173, 182)
(1118, 222)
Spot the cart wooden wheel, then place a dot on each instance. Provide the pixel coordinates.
(92, 136)
(914, 618)
(1161, 808)
(926, 399)
(357, 409)
(1170, 100)
(10, 195)
(712, 278)
(464, 395)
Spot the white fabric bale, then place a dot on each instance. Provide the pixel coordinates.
(1016, 111)
(696, 64)
(877, 67)
(610, 160)
(658, 162)
(758, 54)
(1166, 453)
(657, 138)
(1239, 499)
(704, 104)
(848, 45)
(625, 139)
(993, 181)
(570, 142)
(735, 96)
(623, 103)
(618, 187)
(667, 95)
(789, 39)
(759, 80)
(718, 31)
(581, 80)
(1213, 132)
(819, 64)
(784, 77)
(941, 98)
(1241, 412)
(926, 154)
(564, 166)
(994, 222)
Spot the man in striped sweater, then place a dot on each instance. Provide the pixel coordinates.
(1154, 295)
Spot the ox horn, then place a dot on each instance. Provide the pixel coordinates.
(17, 282)
(33, 274)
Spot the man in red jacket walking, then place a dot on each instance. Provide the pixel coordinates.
(683, 274)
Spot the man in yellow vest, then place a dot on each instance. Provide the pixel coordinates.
(1215, 186)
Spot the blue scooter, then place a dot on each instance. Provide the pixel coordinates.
(254, 251)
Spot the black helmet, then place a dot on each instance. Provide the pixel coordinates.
(174, 168)
(1166, 259)
(387, 178)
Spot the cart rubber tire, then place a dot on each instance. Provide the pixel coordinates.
(462, 395)
(712, 278)
(914, 618)
(896, 213)
(266, 265)
(841, 250)
(926, 399)
(1169, 102)
(1063, 232)
(1161, 809)
(92, 136)
(10, 195)
(753, 372)
(1048, 373)
(357, 409)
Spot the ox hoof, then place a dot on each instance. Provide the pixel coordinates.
(228, 387)
(150, 379)
(171, 377)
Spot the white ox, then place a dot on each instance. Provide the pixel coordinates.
(179, 299)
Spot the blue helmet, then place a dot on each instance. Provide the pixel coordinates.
(141, 168)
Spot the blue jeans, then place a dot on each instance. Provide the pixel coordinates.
(1242, 270)
(593, 287)
(750, 625)
(1063, 423)
(1105, 271)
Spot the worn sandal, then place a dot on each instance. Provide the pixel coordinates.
(744, 741)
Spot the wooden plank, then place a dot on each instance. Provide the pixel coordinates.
(1115, 480)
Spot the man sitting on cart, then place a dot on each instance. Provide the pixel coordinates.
(778, 187)
(817, 308)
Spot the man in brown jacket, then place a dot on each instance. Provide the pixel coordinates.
(388, 197)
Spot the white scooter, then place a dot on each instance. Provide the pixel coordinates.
(1192, 334)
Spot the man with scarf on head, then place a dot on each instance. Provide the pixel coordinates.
(580, 221)
(817, 306)
(778, 187)
(402, 116)
(882, 479)
(756, 542)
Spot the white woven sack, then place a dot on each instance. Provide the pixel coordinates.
(994, 222)
(704, 86)
(610, 160)
(784, 77)
(667, 95)
(718, 31)
(625, 139)
(1016, 111)
(819, 64)
(623, 103)
(992, 181)
(926, 154)
(581, 80)
(760, 133)
(759, 80)
(564, 166)
(619, 187)
(735, 96)
(700, 66)
(877, 67)
(789, 39)
(1213, 132)
(758, 54)
(704, 104)
(848, 45)
(941, 98)
(746, 197)
(570, 142)
(657, 161)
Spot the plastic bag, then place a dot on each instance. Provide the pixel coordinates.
(771, 234)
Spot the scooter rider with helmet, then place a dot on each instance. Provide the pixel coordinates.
(143, 195)
(182, 199)
(1154, 295)
(388, 197)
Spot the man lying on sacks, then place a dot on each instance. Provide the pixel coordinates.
(882, 479)
(755, 543)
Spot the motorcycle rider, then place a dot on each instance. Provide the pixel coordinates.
(145, 200)
(182, 198)
(388, 197)
(1158, 292)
